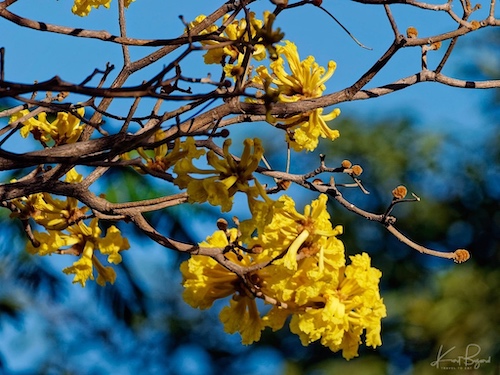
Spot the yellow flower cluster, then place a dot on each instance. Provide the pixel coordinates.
(307, 279)
(205, 281)
(82, 8)
(306, 80)
(238, 31)
(66, 233)
(227, 177)
(161, 158)
(49, 212)
(65, 128)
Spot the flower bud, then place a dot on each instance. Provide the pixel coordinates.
(346, 164)
(222, 224)
(399, 192)
(284, 184)
(435, 46)
(357, 170)
(411, 32)
(461, 255)
(475, 25)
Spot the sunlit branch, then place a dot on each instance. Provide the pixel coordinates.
(203, 115)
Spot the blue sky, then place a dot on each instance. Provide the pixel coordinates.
(39, 56)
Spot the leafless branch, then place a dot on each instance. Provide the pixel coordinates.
(197, 106)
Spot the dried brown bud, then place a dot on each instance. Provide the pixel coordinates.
(284, 184)
(317, 181)
(435, 46)
(222, 224)
(411, 32)
(357, 170)
(399, 192)
(62, 95)
(475, 25)
(461, 255)
(317, 2)
(257, 249)
(237, 71)
(346, 163)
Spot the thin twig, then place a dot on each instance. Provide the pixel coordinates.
(123, 31)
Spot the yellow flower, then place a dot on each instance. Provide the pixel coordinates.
(161, 158)
(82, 268)
(112, 244)
(305, 129)
(343, 310)
(230, 177)
(205, 281)
(327, 300)
(66, 128)
(50, 242)
(89, 240)
(36, 124)
(216, 55)
(310, 233)
(236, 31)
(104, 274)
(51, 213)
(83, 7)
(83, 240)
(306, 80)
(242, 316)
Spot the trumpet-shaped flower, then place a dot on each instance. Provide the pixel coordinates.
(82, 268)
(327, 300)
(50, 212)
(65, 128)
(342, 311)
(306, 80)
(310, 233)
(237, 31)
(304, 129)
(228, 175)
(50, 242)
(242, 316)
(205, 281)
(83, 240)
(161, 158)
(216, 55)
(89, 239)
